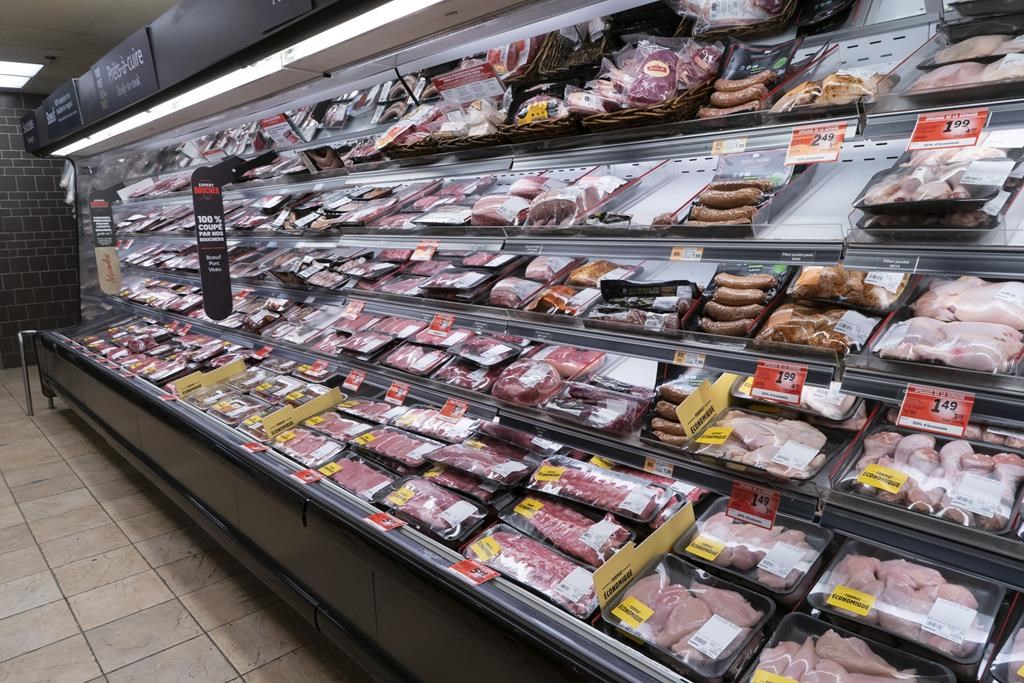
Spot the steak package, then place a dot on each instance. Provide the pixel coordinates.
(583, 534)
(459, 373)
(430, 422)
(336, 426)
(415, 359)
(433, 509)
(394, 444)
(373, 411)
(513, 292)
(306, 447)
(583, 482)
(481, 462)
(545, 268)
(487, 351)
(570, 361)
(360, 477)
(528, 382)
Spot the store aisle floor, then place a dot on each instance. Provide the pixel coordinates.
(102, 578)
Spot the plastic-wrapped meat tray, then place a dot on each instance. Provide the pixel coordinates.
(467, 484)
(336, 426)
(275, 388)
(459, 373)
(487, 351)
(433, 509)
(395, 445)
(375, 411)
(431, 423)
(583, 482)
(415, 359)
(306, 447)
(234, 409)
(481, 462)
(360, 477)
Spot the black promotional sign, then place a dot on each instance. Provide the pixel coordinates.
(60, 112)
(108, 264)
(211, 240)
(102, 222)
(124, 76)
(276, 12)
(30, 132)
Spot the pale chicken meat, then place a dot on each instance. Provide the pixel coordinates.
(972, 48)
(831, 658)
(971, 299)
(981, 346)
(949, 76)
(1008, 68)
(756, 441)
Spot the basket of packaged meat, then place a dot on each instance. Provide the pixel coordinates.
(593, 407)
(966, 323)
(1009, 660)
(433, 509)
(842, 330)
(360, 476)
(712, 629)
(968, 483)
(805, 648)
(232, 409)
(827, 407)
(782, 561)
(482, 462)
(583, 482)
(431, 423)
(336, 426)
(307, 447)
(738, 298)
(582, 533)
(657, 306)
(530, 563)
(938, 610)
(779, 447)
(873, 291)
(395, 448)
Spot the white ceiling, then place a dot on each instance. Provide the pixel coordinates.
(75, 32)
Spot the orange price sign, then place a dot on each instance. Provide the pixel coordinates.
(397, 393)
(959, 128)
(473, 571)
(442, 324)
(778, 382)
(425, 250)
(454, 409)
(816, 144)
(308, 476)
(384, 521)
(753, 504)
(354, 380)
(936, 410)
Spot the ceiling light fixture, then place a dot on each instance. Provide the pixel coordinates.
(14, 75)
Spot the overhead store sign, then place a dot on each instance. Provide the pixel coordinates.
(122, 77)
(30, 132)
(276, 12)
(60, 112)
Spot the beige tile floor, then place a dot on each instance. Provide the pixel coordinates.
(102, 578)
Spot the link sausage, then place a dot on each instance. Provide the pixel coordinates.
(723, 313)
(741, 214)
(733, 328)
(715, 112)
(759, 281)
(724, 100)
(730, 199)
(659, 425)
(727, 85)
(739, 297)
(666, 410)
(671, 438)
(762, 184)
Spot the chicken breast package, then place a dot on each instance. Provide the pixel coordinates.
(534, 565)
(700, 624)
(433, 509)
(873, 291)
(1009, 661)
(941, 610)
(808, 649)
(968, 483)
(781, 560)
(783, 448)
(624, 495)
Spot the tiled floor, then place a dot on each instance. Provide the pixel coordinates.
(103, 579)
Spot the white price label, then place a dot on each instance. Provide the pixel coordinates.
(1012, 292)
(856, 326)
(458, 512)
(714, 636)
(979, 495)
(987, 172)
(781, 560)
(505, 469)
(794, 455)
(885, 279)
(575, 585)
(637, 500)
(598, 534)
(655, 466)
(949, 620)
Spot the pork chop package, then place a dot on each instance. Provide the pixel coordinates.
(783, 560)
(433, 509)
(430, 422)
(237, 407)
(701, 625)
(446, 340)
(783, 448)
(377, 412)
(530, 563)
(206, 397)
(873, 291)
(601, 409)
(527, 382)
(460, 481)
(482, 462)
(361, 477)
(249, 379)
(584, 482)
(307, 447)
(583, 534)
(395, 446)
(336, 426)
(813, 649)
(938, 609)
(415, 359)
(969, 483)
(460, 373)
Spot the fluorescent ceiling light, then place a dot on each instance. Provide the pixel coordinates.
(13, 81)
(19, 69)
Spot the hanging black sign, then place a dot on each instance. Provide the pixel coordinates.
(211, 240)
(60, 111)
(102, 222)
(124, 76)
(108, 264)
(276, 12)
(30, 132)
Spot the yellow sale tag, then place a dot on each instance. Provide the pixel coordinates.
(364, 439)
(715, 435)
(528, 507)
(315, 420)
(400, 497)
(287, 436)
(549, 473)
(762, 676)
(1020, 671)
(303, 368)
(293, 396)
(223, 406)
(473, 443)
(434, 471)
(602, 462)
(330, 468)
(705, 548)
(347, 404)
(632, 612)
(745, 388)
(485, 548)
(851, 600)
(881, 477)
(263, 387)
(250, 421)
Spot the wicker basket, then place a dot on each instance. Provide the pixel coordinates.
(415, 149)
(557, 56)
(540, 130)
(773, 25)
(458, 144)
(678, 108)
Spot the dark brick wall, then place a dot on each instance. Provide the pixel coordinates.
(38, 237)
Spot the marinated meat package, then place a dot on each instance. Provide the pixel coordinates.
(415, 359)
(430, 422)
(446, 340)
(337, 427)
(360, 477)
(513, 292)
(306, 447)
(394, 444)
(237, 407)
(840, 329)
(583, 534)
(481, 462)
(691, 620)
(583, 482)
(538, 567)
(570, 361)
(486, 351)
(593, 273)
(465, 375)
(600, 409)
(785, 448)
(377, 412)
(874, 291)
(897, 594)
(527, 382)
(499, 210)
(779, 559)
(815, 650)
(434, 509)
(980, 346)
(968, 483)
(457, 480)
(545, 268)
(565, 300)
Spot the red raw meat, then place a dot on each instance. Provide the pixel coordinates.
(529, 382)
(399, 327)
(399, 446)
(574, 533)
(359, 478)
(569, 360)
(417, 360)
(499, 210)
(465, 375)
(481, 462)
(461, 482)
(447, 514)
(337, 427)
(512, 292)
(596, 486)
(531, 186)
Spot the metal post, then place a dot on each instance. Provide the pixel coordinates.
(24, 372)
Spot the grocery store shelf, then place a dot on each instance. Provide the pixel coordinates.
(938, 259)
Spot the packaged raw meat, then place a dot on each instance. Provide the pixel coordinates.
(886, 591)
(970, 299)
(583, 482)
(689, 619)
(369, 211)
(427, 268)
(524, 441)
(415, 359)
(467, 484)
(785, 448)
(814, 650)
(429, 422)
(466, 186)
(565, 300)
(564, 206)
(966, 482)
(375, 411)
(398, 327)
(371, 270)
(394, 254)
(1008, 662)
(394, 444)
(592, 273)
(784, 559)
(237, 407)
(446, 214)
(545, 268)
(367, 343)
(482, 462)
(207, 396)
(458, 279)
(842, 87)
(433, 509)
(445, 340)
(736, 297)
(585, 535)
(536, 566)
(357, 323)
(314, 372)
(513, 292)
(399, 284)
(600, 409)
(528, 382)
(465, 375)
(249, 379)
(360, 477)
(499, 210)
(486, 351)
(571, 362)
(840, 329)
(306, 447)
(337, 427)
(655, 75)
(924, 189)
(818, 401)
(984, 347)
(530, 186)
(875, 291)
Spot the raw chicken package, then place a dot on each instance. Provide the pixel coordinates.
(695, 622)
(528, 382)
(306, 447)
(622, 494)
(873, 291)
(979, 346)
(783, 448)
(534, 565)
(969, 483)
(1009, 661)
(606, 411)
(430, 422)
(970, 299)
(432, 509)
(396, 446)
(805, 648)
(782, 561)
(584, 534)
(482, 462)
(835, 407)
(941, 610)
(842, 330)
(360, 477)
